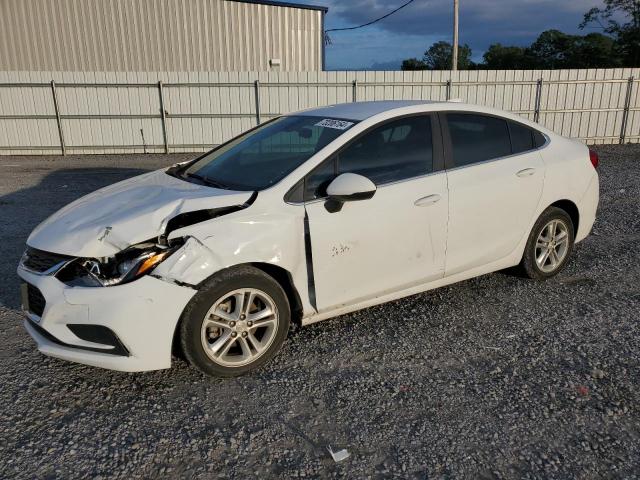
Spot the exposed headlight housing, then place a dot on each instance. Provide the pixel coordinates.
(123, 267)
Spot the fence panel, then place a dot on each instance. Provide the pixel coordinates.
(130, 112)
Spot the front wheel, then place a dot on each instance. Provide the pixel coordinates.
(549, 245)
(236, 322)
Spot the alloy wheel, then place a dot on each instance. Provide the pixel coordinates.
(552, 245)
(239, 327)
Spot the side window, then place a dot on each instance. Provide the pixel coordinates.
(475, 138)
(316, 182)
(521, 137)
(394, 151)
(538, 139)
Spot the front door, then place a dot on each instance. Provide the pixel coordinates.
(392, 241)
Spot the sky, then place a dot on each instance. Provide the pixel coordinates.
(409, 32)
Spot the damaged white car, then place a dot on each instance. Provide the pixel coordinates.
(303, 218)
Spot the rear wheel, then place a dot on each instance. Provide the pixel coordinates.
(549, 245)
(237, 322)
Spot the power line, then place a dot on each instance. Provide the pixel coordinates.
(328, 40)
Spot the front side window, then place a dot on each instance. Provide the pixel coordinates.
(316, 183)
(476, 138)
(395, 151)
(264, 156)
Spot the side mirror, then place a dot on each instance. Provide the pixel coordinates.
(349, 187)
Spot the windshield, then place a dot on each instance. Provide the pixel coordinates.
(264, 156)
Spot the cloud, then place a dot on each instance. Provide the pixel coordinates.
(410, 31)
(482, 22)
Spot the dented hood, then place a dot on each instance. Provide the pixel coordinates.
(113, 218)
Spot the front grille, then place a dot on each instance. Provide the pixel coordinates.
(40, 261)
(36, 300)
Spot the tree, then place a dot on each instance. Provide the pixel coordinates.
(500, 57)
(627, 35)
(594, 50)
(413, 64)
(439, 56)
(555, 49)
(551, 49)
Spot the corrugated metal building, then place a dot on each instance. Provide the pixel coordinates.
(160, 35)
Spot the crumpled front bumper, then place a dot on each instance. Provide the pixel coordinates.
(142, 314)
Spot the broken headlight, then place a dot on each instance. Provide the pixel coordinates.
(123, 267)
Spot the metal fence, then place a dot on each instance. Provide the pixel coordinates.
(84, 112)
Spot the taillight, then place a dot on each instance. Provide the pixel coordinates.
(593, 156)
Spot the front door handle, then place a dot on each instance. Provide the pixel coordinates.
(428, 200)
(526, 172)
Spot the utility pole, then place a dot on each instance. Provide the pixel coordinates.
(454, 56)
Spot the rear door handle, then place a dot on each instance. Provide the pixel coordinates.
(428, 200)
(526, 172)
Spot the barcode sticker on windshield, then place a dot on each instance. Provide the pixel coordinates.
(331, 123)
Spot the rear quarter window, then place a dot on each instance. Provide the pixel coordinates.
(521, 137)
(538, 139)
(524, 138)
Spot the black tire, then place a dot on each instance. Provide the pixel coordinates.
(222, 283)
(528, 265)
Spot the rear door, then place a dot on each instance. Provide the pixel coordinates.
(495, 176)
(397, 238)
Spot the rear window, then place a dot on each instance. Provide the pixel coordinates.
(476, 138)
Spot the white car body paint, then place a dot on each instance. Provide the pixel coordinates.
(258, 234)
(491, 226)
(398, 250)
(129, 212)
(192, 264)
(474, 219)
(142, 313)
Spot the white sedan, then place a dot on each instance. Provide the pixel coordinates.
(308, 216)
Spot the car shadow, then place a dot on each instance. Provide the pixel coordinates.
(22, 210)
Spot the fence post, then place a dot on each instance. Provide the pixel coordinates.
(355, 91)
(163, 116)
(256, 89)
(536, 112)
(63, 147)
(448, 94)
(625, 112)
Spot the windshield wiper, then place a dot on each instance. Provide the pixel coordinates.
(207, 181)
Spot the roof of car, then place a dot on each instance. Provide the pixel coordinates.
(361, 110)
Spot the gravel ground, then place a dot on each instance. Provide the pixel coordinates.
(495, 377)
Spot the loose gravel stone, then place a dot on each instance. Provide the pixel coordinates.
(495, 377)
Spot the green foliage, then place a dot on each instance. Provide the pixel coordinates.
(413, 64)
(618, 46)
(555, 49)
(626, 35)
(500, 57)
(595, 50)
(439, 56)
